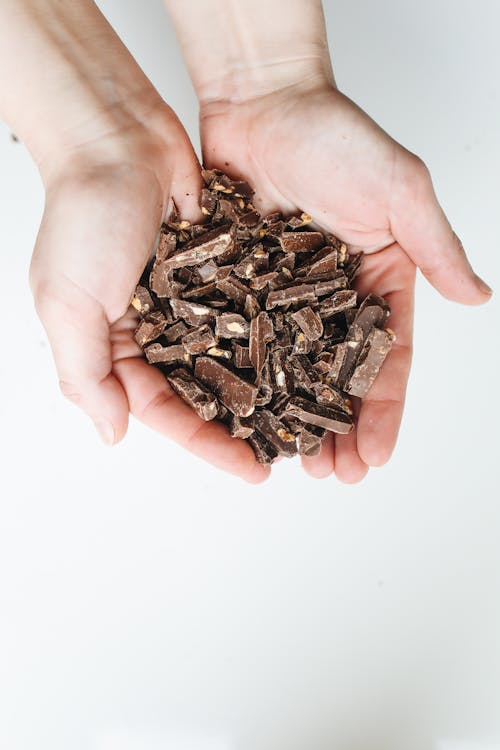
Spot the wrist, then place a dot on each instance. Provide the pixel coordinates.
(78, 90)
(238, 51)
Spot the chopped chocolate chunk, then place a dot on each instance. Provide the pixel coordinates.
(194, 393)
(150, 328)
(235, 393)
(338, 302)
(301, 242)
(209, 245)
(157, 353)
(375, 349)
(192, 312)
(290, 295)
(199, 340)
(142, 301)
(309, 322)
(275, 432)
(260, 313)
(231, 326)
(330, 418)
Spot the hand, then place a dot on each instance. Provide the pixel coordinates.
(104, 207)
(309, 147)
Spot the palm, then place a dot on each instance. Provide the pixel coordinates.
(95, 239)
(322, 154)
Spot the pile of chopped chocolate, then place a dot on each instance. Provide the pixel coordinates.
(254, 322)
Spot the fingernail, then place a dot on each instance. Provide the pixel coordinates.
(483, 285)
(105, 430)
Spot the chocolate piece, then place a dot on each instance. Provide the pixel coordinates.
(290, 295)
(142, 301)
(175, 332)
(194, 393)
(275, 432)
(167, 354)
(233, 289)
(241, 427)
(209, 245)
(264, 451)
(199, 340)
(150, 328)
(310, 323)
(321, 415)
(338, 302)
(301, 242)
(231, 326)
(279, 378)
(260, 334)
(192, 312)
(235, 393)
(241, 357)
(375, 349)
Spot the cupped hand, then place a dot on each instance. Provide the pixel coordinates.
(309, 147)
(105, 202)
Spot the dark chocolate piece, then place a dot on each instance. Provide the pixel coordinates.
(261, 332)
(194, 393)
(193, 313)
(338, 302)
(290, 295)
(241, 427)
(264, 451)
(235, 393)
(142, 301)
(241, 357)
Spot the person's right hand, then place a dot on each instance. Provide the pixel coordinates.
(105, 202)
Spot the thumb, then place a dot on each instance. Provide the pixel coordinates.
(79, 336)
(420, 226)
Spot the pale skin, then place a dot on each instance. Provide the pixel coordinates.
(112, 154)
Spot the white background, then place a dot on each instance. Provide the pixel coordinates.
(148, 602)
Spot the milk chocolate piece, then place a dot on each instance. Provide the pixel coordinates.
(231, 326)
(193, 313)
(150, 328)
(281, 372)
(194, 393)
(290, 295)
(338, 302)
(142, 301)
(175, 332)
(157, 353)
(251, 307)
(264, 451)
(241, 427)
(328, 394)
(301, 242)
(354, 342)
(275, 432)
(209, 245)
(166, 244)
(321, 415)
(162, 281)
(233, 289)
(241, 357)
(235, 393)
(199, 340)
(259, 336)
(309, 443)
(310, 323)
(375, 349)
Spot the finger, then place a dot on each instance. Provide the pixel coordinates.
(323, 464)
(78, 333)
(419, 225)
(154, 403)
(349, 467)
(393, 277)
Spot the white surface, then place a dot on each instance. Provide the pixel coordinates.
(299, 614)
